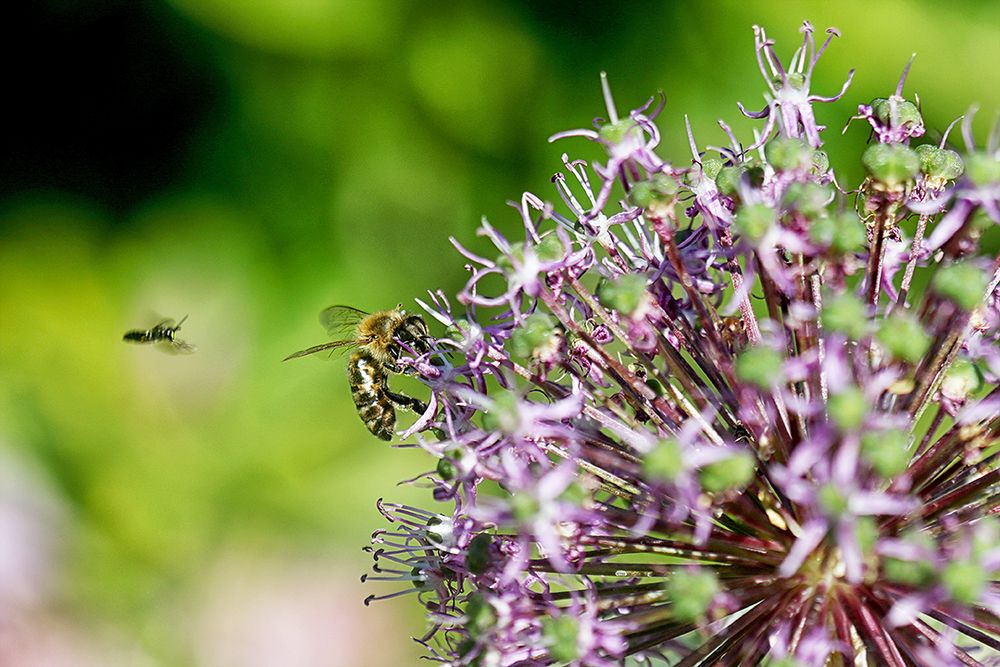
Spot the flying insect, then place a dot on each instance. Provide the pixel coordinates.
(377, 340)
(164, 335)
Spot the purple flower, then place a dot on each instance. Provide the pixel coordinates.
(789, 101)
(894, 119)
(715, 422)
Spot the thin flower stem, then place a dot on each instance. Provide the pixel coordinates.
(876, 256)
(614, 484)
(911, 263)
(873, 633)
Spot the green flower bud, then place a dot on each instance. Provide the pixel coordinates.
(728, 180)
(982, 169)
(831, 500)
(664, 462)
(981, 221)
(820, 163)
(866, 532)
(524, 507)
(438, 532)
(478, 557)
(734, 472)
(965, 580)
(659, 189)
(516, 255)
(896, 112)
(760, 366)
(940, 164)
(479, 614)
(903, 337)
(843, 232)
(616, 133)
(446, 469)
(536, 338)
(913, 573)
(642, 194)
(961, 282)
(796, 80)
(850, 235)
(789, 154)
(822, 230)
(848, 408)
(892, 164)
(503, 415)
(417, 577)
(809, 199)
(962, 379)
(888, 452)
(845, 313)
(691, 593)
(665, 184)
(754, 221)
(458, 330)
(711, 166)
(550, 249)
(624, 294)
(692, 177)
(754, 169)
(561, 636)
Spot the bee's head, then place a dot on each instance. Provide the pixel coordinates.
(414, 333)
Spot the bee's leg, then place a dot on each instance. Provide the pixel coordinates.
(405, 401)
(394, 367)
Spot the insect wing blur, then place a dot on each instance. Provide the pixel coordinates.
(323, 347)
(175, 346)
(341, 320)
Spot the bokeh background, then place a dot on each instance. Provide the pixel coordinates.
(249, 163)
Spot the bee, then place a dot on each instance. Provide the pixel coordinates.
(376, 339)
(163, 334)
(733, 332)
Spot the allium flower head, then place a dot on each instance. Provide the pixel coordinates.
(700, 415)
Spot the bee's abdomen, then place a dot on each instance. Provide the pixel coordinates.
(137, 336)
(368, 388)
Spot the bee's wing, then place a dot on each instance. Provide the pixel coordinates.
(340, 320)
(176, 346)
(332, 346)
(164, 324)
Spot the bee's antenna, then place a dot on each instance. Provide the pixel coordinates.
(178, 325)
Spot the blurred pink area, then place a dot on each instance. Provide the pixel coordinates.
(32, 529)
(30, 525)
(42, 641)
(296, 613)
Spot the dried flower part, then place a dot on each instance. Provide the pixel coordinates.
(702, 415)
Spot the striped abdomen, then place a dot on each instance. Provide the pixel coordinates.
(367, 378)
(150, 336)
(137, 336)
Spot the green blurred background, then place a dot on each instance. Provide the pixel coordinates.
(249, 163)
